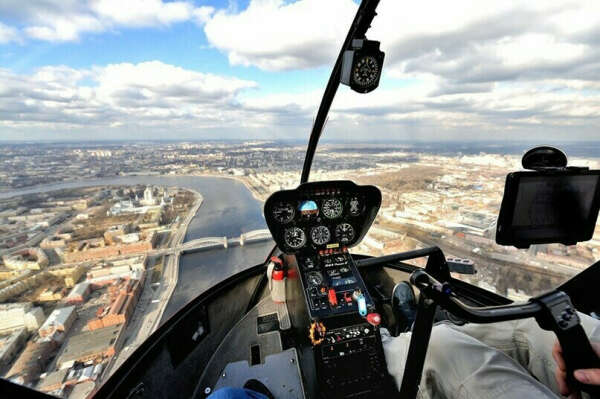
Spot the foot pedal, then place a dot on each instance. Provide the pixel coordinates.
(284, 316)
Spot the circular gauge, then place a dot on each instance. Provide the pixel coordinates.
(366, 71)
(283, 212)
(332, 208)
(344, 232)
(355, 206)
(314, 278)
(294, 237)
(320, 235)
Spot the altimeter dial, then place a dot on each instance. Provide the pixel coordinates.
(294, 237)
(320, 235)
(283, 212)
(332, 208)
(344, 233)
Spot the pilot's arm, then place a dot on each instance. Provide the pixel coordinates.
(588, 376)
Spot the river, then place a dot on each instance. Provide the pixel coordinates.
(229, 209)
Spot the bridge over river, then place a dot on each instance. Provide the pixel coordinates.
(205, 243)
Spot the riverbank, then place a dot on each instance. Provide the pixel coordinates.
(172, 265)
(242, 179)
(71, 184)
(229, 209)
(152, 305)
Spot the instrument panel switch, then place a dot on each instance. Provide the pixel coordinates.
(332, 297)
(362, 305)
(374, 319)
(347, 297)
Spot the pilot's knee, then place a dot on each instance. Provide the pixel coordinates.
(442, 335)
(442, 338)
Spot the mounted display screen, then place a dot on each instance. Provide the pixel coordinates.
(321, 215)
(548, 207)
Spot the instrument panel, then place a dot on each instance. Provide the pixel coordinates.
(331, 283)
(321, 215)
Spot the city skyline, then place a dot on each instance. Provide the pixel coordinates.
(206, 69)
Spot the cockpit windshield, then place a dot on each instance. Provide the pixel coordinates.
(140, 141)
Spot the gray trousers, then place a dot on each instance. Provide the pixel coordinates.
(502, 360)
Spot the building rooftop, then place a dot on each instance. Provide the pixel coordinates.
(90, 343)
(25, 306)
(52, 380)
(79, 289)
(58, 317)
(82, 390)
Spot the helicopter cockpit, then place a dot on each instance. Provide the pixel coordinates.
(309, 321)
(322, 335)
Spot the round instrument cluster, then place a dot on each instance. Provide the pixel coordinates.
(329, 210)
(321, 216)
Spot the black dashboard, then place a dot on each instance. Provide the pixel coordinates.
(317, 223)
(321, 215)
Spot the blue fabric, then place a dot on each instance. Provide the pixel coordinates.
(236, 393)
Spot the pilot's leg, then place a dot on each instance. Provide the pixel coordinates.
(527, 343)
(460, 366)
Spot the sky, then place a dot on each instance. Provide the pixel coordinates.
(204, 69)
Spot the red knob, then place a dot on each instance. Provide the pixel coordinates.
(374, 319)
(332, 297)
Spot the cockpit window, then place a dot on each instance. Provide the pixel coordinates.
(138, 145)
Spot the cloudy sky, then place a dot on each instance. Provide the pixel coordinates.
(156, 69)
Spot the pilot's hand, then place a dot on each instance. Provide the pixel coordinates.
(587, 376)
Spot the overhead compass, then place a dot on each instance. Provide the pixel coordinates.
(361, 66)
(366, 71)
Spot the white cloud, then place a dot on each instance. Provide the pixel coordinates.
(8, 34)
(65, 28)
(277, 35)
(202, 14)
(453, 69)
(67, 20)
(460, 67)
(142, 12)
(119, 99)
(119, 95)
(483, 41)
